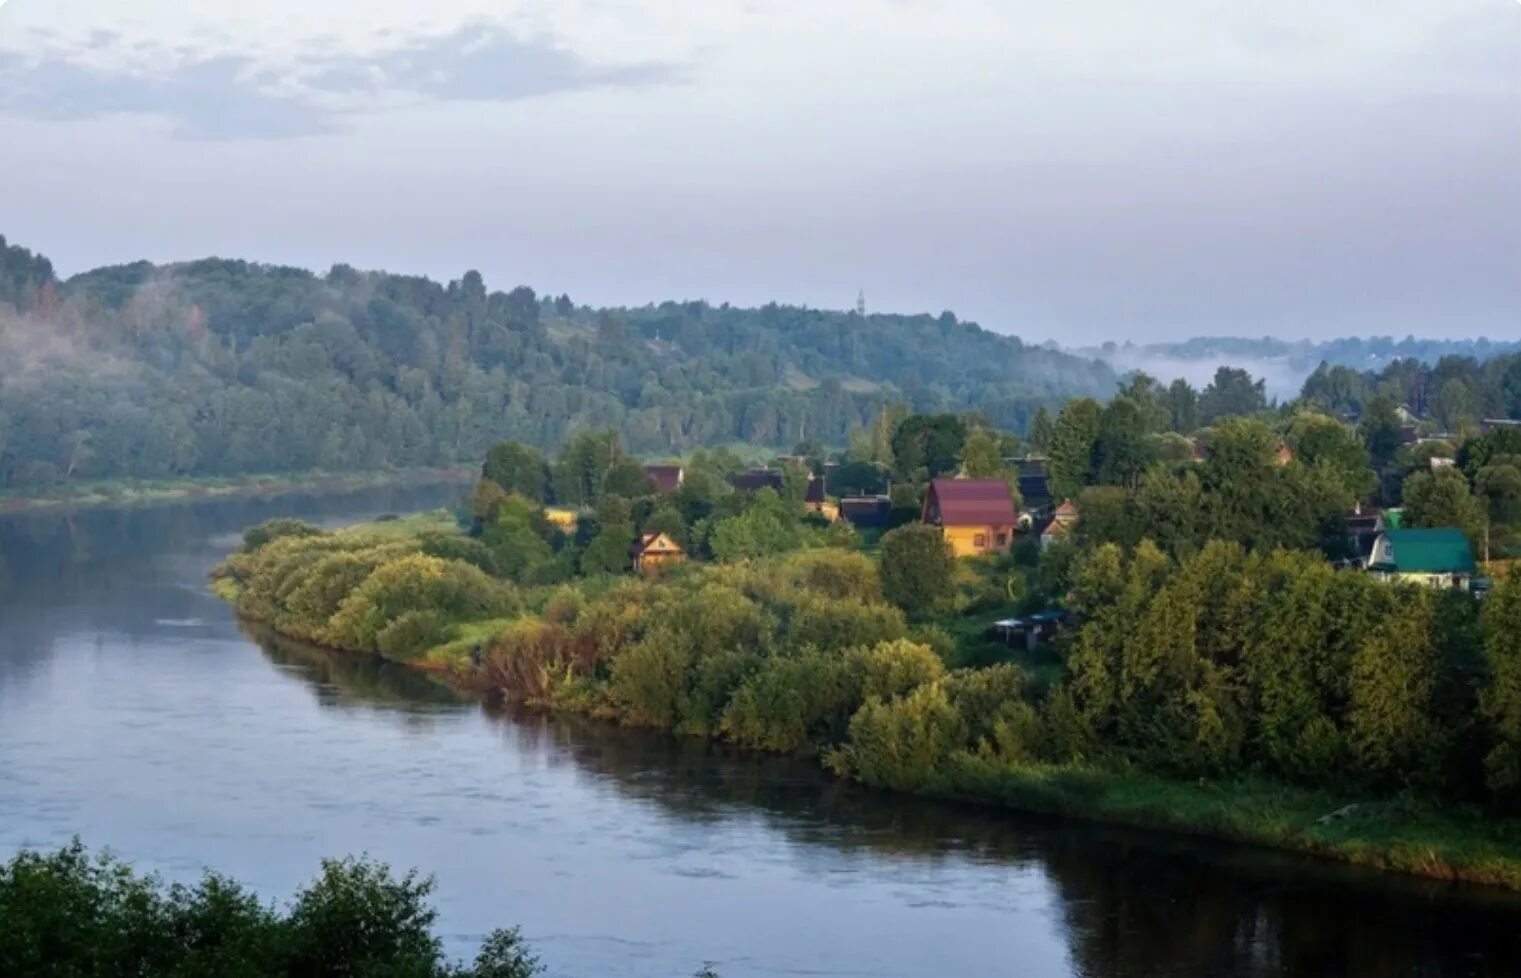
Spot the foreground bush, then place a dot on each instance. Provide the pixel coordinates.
(70, 914)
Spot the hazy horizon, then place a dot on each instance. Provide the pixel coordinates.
(1080, 172)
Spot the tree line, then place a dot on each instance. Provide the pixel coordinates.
(222, 367)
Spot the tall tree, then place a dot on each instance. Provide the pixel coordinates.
(1232, 393)
(1077, 430)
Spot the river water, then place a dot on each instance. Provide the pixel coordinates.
(137, 714)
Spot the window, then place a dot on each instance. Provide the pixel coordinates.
(1002, 539)
(980, 540)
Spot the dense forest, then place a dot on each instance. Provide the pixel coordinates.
(222, 367)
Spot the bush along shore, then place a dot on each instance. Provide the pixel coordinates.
(92, 916)
(1257, 697)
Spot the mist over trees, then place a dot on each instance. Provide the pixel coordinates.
(221, 367)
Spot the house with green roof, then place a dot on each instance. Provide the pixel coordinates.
(1435, 557)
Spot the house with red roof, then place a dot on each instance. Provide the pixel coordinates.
(976, 516)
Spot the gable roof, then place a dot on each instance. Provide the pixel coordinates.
(656, 542)
(1434, 551)
(667, 478)
(969, 502)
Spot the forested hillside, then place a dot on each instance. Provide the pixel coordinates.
(222, 367)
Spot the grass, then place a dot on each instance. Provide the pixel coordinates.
(1400, 834)
(133, 492)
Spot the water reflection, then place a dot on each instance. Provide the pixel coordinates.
(1131, 904)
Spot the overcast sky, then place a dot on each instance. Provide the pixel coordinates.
(1072, 169)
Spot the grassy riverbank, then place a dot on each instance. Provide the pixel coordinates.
(129, 492)
(798, 653)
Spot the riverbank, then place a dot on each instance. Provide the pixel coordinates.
(798, 654)
(127, 492)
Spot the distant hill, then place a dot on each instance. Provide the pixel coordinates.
(224, 367)
(1284, 365)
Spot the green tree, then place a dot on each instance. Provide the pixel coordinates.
(518, 468)
(1380, 429)
(928, 445)
(1181, 402)
(1442, 498)
(917, 568)
(1072, 447)
(1232, 393)
(981, 458)
(1122, 449)
(1501, 695)
(1042, 430)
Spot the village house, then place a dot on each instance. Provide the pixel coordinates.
(652, 552)
(667, 478)
(976, 516)
(1364, 527)
(754, 480)
(1063, 521)
(1434, 557)
(563, 518)
(816, 500)
(866, 511)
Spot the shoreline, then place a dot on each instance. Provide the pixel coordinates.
(149, 492)
(1387, 835)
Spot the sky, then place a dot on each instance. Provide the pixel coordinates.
(1077, 170)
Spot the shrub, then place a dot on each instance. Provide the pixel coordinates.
(901, 743)
(257, 536)
(917, 569)
(794, 702)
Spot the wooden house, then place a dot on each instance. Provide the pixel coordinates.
(1435, 557)
(866, 511)
(1062, 523)
(652, 552)
(563, 517)
(976, 516)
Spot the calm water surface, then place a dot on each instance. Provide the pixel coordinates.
(135, 713)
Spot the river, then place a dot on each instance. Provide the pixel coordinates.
(137, 714)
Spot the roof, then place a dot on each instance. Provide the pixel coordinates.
(1435, 551)
(815, 493)
(1066, 511)
(653, 540)
(969, 502)
(866, 510)
(667, 478)
(756, 479)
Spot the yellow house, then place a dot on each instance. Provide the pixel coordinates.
(563, 517)
(976, 516)
(652, 552)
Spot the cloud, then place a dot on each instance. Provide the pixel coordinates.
(218, 96)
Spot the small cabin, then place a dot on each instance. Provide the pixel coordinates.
(653, 551)
(976, 516)
(1063, 521)
(563, 517)
(1440, 557)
